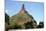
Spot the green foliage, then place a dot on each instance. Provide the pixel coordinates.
(29, 25)
(19, 18)
(6, 27)
(6, 18)
(41, 25)
(14, 27)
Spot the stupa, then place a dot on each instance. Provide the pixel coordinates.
(21, 18)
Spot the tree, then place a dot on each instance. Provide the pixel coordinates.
(41, 25)
(29, 25)
(14, 27)
(6, 21)
(6, 18)
(17, 27)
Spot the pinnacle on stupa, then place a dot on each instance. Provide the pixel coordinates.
(23, 10)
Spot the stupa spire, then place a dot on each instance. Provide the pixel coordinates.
(23, 7)
(23, 10)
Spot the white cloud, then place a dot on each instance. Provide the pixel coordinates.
(6, 11)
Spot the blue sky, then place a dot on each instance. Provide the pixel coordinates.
(36, 9)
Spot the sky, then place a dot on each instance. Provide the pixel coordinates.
(36, 9)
